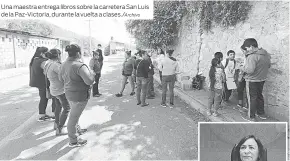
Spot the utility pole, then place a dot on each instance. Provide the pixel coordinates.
(90, 37)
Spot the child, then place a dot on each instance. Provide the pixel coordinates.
(217, 78)
(96, 67)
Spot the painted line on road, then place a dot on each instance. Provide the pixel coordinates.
(17, 131)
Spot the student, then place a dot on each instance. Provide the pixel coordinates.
(230, 64)
(127, 72)
(142, 70)
(217, 78)
(169, 67)
(257, 66)
(96, 67)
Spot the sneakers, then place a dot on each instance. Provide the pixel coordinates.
(43, 118)
(263, 116)
(60, 131)
(164, 105)
(79, 143)
(242, 107)
(119, 95)
(146, 104)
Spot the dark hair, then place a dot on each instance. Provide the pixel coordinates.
(242, 47)
(128, 53)
(218, 55)
(170, 52)
(230, 51)
(52, 53)
(243, 140)
(37, 53)
(95, 53)
(162, 52)
(214, 63)
(99, 45)
(250, 42)
(72, 50)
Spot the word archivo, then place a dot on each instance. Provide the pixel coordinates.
(63, 6)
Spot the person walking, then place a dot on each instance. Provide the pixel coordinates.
(257, 66)
(56, 87)
(169, 68)
(142, 70)
(37, 79)
(95, 65)
(127, 73)
(77, 79)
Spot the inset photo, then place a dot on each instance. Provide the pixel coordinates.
(242, 141)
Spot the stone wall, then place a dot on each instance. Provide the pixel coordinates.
(268, 23)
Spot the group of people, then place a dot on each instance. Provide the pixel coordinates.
(139, 69)
(68, 84)
(226, 75)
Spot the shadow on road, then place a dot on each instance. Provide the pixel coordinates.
(117, 129)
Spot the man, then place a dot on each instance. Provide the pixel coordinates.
(101, 58)
(257, 65)
(229, 65)
(142, 67)
(169, 68)
(150, 91)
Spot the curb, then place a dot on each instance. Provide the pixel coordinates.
(17, 131)
(196, 104)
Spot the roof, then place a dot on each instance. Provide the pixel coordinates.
(31, 34)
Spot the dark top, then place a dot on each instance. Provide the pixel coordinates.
(142, 67)
(151, 71)
(37, 78)
(74, 86)
(101, 58)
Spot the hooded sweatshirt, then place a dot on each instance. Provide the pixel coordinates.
(257, 65)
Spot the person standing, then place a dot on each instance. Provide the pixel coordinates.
(101, 58)
(150, 91)
(127, 73)
(257, 66)
(56, 87)
(169, 68)
(229, 65)
(96, 67)
(37, 79)
(77, 79)
(142, 70)
(161, 56)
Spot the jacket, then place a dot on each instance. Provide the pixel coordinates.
(257, 65)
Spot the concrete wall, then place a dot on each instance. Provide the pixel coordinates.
(217, 140)
(268, 23)
(20, 54)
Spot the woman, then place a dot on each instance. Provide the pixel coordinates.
(37, 79)
(77, 79)
(249, 149)
(95, 65)
(160, 58)
(127, 72)
(57, 90)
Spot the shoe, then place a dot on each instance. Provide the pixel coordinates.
(132, 93)
(146, 104)
(139, 103)
(263, 116)
(98, 95)
(60, 131)
(43, 118)
(82, 131)
(245, 117)
(164, 105)
(79, 143)
(49, 117)
(55, 126)
(119, 95)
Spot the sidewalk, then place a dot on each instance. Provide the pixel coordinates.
(198, 100)
(8, 73)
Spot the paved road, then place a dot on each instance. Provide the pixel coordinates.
(117, 128)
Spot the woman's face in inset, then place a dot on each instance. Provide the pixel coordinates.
(249, 151)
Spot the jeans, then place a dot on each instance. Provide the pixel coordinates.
(62, 102)
(227, 93)
(96, 84)
(124, 82)
(150, 89)
(76, 110)
(160, 75)
(255, 98)
(241, 89)
(214, 99)
(170, 81)
(142, 85)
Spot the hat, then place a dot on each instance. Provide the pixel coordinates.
(249, 42)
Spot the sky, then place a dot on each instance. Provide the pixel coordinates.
(101, 29)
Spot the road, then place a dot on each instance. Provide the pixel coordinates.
(117, 128)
